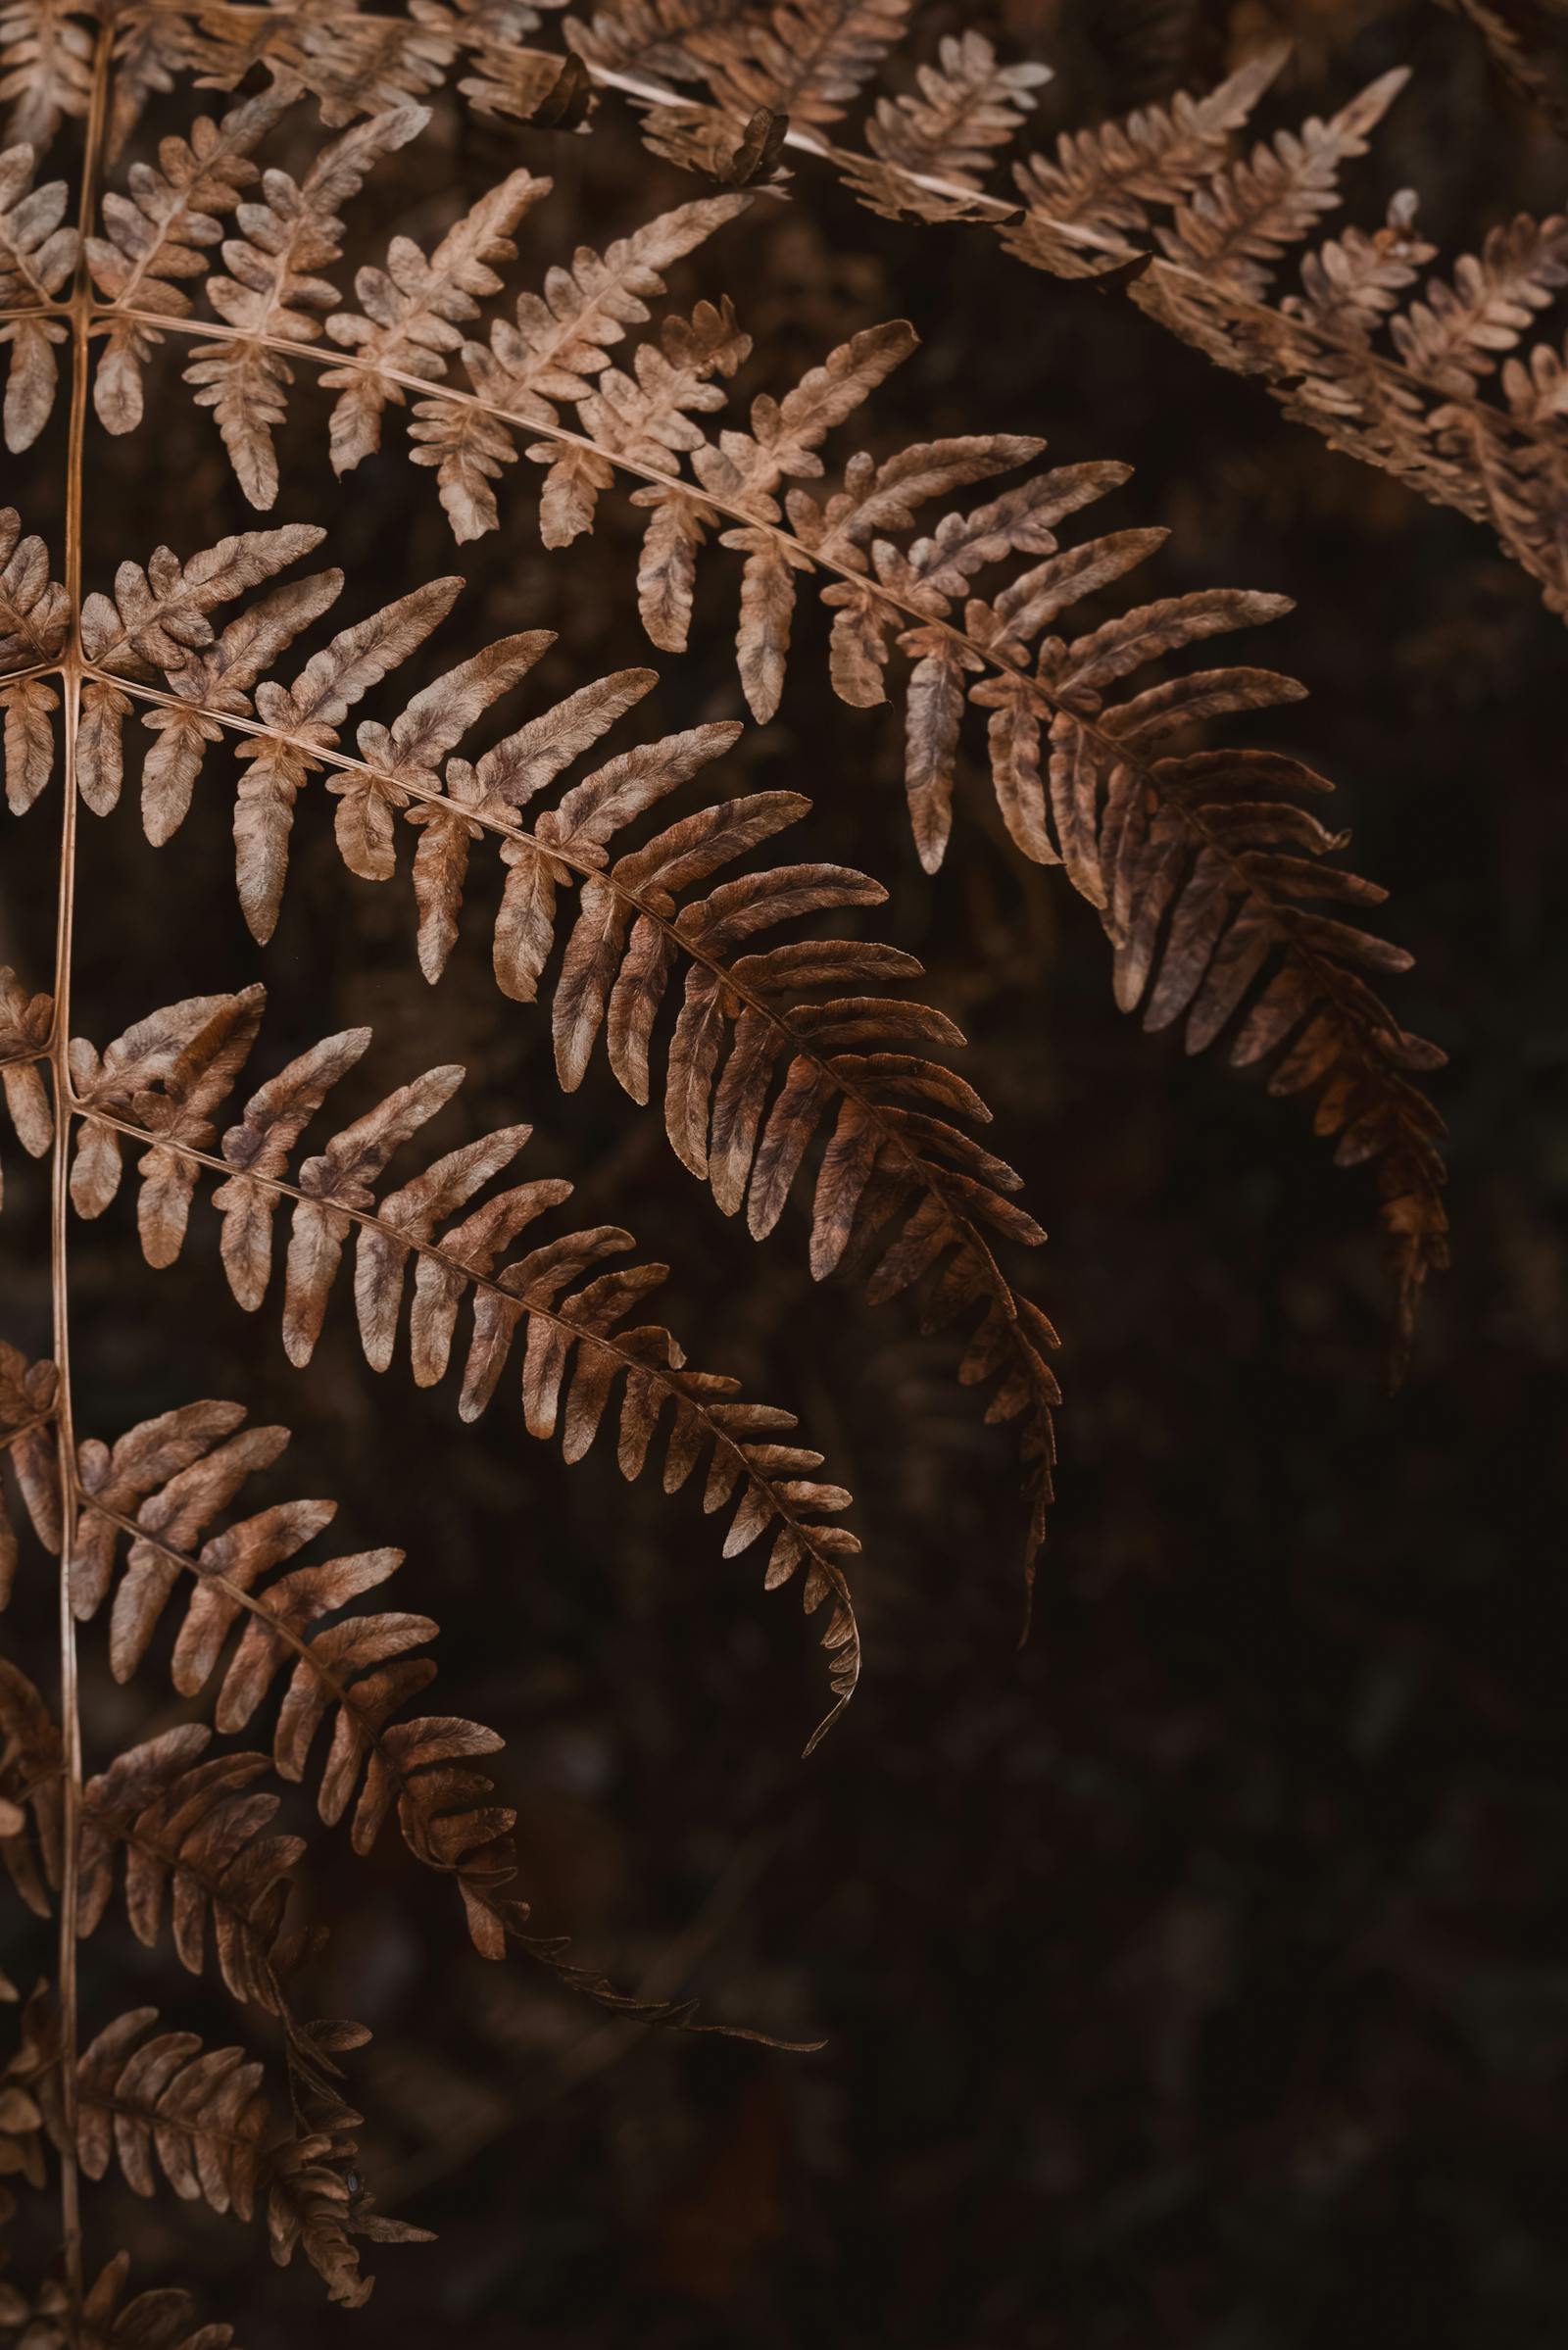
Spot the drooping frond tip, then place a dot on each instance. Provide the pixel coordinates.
(161, 1085)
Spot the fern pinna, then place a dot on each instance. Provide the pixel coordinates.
(791, 1059)
(1165, 198)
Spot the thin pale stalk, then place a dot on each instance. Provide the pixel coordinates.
(59, 1197)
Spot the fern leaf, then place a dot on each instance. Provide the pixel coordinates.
(164, 2105)
(46, 67)
(200, 2118)
(156, 237)
(1104, 182)
(560, 340)
(306, 717)
(969, 105)
(1454, 337)
(272, 290)
(158, 2319)
(1239, 223)
(576, 1349)
(157, 621)
(672, 38)
(37, 255)
(635, 918)
(412, 312)
(34, 609)
(354, 1676)
(810, 58)
(26, 1024)
(193, 1836)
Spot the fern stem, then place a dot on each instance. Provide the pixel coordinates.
(14, 1436)
(59, 1195)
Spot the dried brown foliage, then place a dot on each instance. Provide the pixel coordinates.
(790, 1056)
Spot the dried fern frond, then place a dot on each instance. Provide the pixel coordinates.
(902, 1187)
(37, 255)
(29, 1787)
(156, 2319)
(1453, 403)
(969, 107)
(196, 1825)
(270, 291)
(808, 59)
(352, 62)
(160, 1085)
(351, 1677)
(26, 1024)
(46, 53)
(28, 1392)
(1527, 45)
(1207, 272)
(200, 2118)
(882, 581)
(188, 1830)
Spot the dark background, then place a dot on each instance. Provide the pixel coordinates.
(1195, 1976)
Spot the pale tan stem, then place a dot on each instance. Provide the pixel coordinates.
(60, 1195)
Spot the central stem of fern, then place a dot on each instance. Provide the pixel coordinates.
(60, 1195)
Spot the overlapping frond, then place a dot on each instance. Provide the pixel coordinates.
(771, 1045)
(1198, 233)
(1199, 236)
(808, 59)
(37, 255)
(352, 62)
(887, 587)
(27, 1397)
(166, 2107)
(250, 1630)
(1007, 654)
(969, 107)
(160, 2318)
(183, 1833)
(1527, 45)
(160, 1085)
(1446, 393)
(47, 49)
(270, 292)
(26, 1024)
(189, 1833)
(1160, 195)
(196, 1832)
